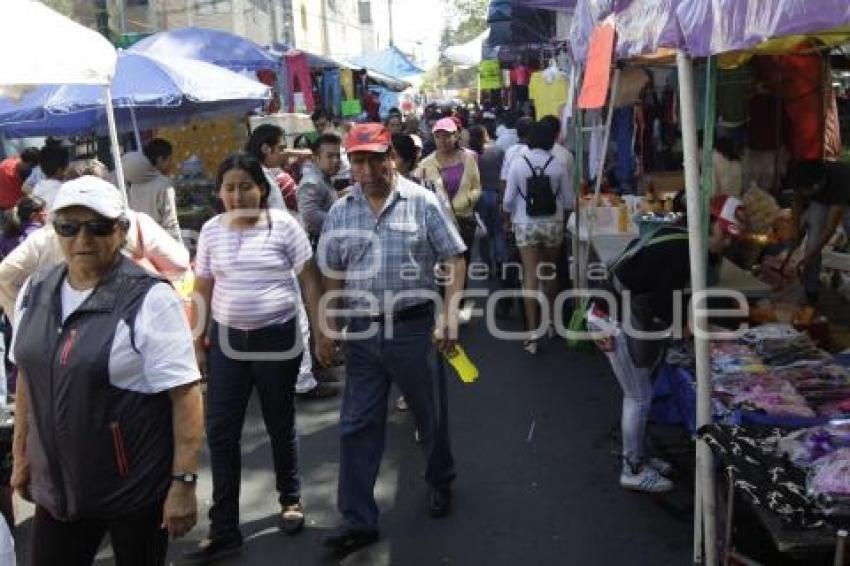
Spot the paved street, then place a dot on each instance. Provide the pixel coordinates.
(534, 442)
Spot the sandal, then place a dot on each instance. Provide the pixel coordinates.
(292, 516)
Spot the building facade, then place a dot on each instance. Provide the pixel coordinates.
(338, 28)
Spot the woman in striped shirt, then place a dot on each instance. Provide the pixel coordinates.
(247, 262)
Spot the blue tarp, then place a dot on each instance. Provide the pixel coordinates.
(390, 61)
(161, 92)
(212, 46)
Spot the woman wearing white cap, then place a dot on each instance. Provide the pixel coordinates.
(109, 413)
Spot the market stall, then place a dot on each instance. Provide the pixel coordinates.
(690, 28)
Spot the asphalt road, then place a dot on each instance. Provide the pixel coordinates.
(535, 444)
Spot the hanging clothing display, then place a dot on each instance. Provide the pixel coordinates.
(595, 150)
(346, 80)
(490, 75)
(548, 90)
(298, 80)
(732, 89)
(802, 95)
(623, 131)
(331, 91)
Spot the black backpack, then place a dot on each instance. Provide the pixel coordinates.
(541, 200)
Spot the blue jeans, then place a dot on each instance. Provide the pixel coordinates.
(495, 249)
(408, 359)
(813, 221)
(231, 382)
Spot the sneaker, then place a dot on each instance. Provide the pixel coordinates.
(211, 549)
(401, 404)
(530, 346)
(644, 479)
(663, 467)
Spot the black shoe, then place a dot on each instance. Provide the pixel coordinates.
(292, 518)
(344, 540)
(211, 549)
(439, 500)
(321, 391)
(325, 375)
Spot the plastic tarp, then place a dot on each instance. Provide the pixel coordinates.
(468, 53)
(644, 27)
(711, 27)
(41, 46)
(209, 45)
(161, 91)
(389, 61)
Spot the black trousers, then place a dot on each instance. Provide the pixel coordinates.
(137, 539)
(255, 360)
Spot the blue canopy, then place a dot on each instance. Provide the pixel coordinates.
(390, 62)
(212, 46)
(159, 91)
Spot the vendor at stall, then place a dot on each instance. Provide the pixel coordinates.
(655, 270)
(821, 197)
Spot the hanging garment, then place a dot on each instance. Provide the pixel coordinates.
(298, 79)
(802, 94)
(520, 75)
(732, 89)
(623, 131)
(490, 75)
(832, 134)
(346, 80)
(595, 152)
(548, 90)
(331, 91)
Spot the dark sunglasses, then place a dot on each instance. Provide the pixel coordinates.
(97, 227)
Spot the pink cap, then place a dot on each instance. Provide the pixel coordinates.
(445, 125)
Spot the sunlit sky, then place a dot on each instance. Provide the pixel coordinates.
(417, 25)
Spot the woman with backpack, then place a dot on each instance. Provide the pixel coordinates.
(652, 274)
(538, 191)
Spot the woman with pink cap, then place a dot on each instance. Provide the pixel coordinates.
(454, 171)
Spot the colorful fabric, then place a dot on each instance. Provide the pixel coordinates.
(548, 96)
(490, 75)
(299, 81)
(346, 80)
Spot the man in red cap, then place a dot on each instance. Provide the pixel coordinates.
(378, 249)
(655, 270)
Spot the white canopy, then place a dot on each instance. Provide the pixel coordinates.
(468, 53)
(58, 50)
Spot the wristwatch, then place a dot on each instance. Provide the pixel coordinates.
(186, 477)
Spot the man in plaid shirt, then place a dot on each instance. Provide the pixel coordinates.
(378, 249)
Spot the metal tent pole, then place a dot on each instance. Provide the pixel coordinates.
(697, 246)
(136, 133)
(113, 142)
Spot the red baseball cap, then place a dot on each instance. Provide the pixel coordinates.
(723, 209)
(373, 137)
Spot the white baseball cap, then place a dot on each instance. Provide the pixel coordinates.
(91, 192)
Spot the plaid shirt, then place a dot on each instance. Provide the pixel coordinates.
(391, 253)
